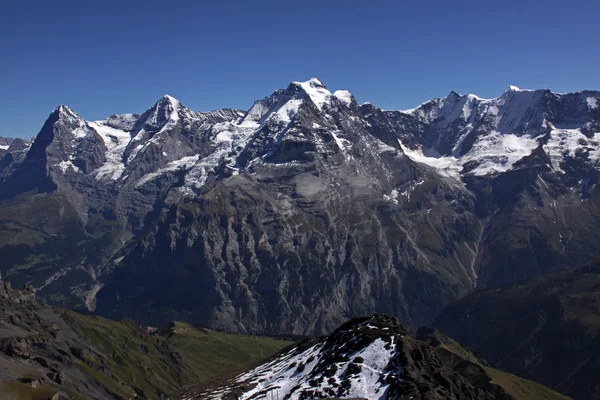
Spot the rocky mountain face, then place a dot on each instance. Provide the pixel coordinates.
(10, 145)
(546, 329)
(365, 358)
(304, 210)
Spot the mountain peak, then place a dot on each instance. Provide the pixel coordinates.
(64, 110)
(315, 90)
(165, 110)
(169, 99)
(453, 95)
(313, 82)
(513, 88)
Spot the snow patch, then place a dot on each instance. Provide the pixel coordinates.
(392, 197)
(288, 111)
(338, 140)
(565, 143)
(282, 378)
(344, 96)
(493, 153)
(66, 165)
(447, 165)
(183, 163)
(592, 102)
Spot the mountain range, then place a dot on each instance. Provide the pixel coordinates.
(302, 211)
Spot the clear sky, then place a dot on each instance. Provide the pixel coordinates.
(106, 57)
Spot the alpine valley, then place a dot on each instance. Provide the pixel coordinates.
(303, 211)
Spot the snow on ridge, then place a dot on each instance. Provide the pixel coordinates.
(284, 379)
(592, 102)
(182, 163)
(4, 147)
(80, 128)
(316, 91)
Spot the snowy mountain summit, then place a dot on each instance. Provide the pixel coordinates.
(366, 358)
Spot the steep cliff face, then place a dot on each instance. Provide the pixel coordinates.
(304, 210)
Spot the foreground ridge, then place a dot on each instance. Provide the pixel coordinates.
(365, 358)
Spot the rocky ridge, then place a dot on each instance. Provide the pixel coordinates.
(365, 358)
(304, 210)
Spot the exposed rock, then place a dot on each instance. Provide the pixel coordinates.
(305, 209)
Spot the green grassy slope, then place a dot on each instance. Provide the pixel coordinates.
(213, 354)
(546, 329)
(46, 351)
(469, 365)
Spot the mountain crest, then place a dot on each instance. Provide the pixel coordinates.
(315, 91)
(366, 358)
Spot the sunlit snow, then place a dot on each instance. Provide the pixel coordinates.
(115, 141)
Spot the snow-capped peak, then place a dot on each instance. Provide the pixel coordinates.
(77, 126)
(171, 105)
(515, 89)
(361, 359)
(316, 91)
(164, 112)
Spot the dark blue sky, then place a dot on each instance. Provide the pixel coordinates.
(106, 57)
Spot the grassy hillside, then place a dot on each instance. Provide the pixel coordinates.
(546, 329)
(138, 362)
(211, 354)
(45, 351)
(478, 371)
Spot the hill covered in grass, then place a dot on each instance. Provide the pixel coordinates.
(47, 352)
(546, 329)
(478, 371)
